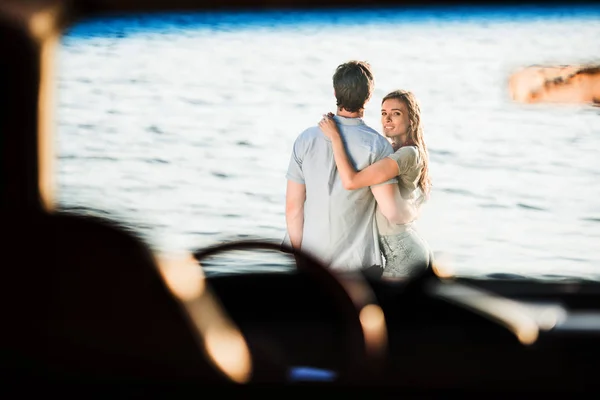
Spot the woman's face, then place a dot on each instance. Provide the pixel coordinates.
(394, 118)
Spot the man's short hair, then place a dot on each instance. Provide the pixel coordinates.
(353, 84)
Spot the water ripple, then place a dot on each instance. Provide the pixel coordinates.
(530, 207)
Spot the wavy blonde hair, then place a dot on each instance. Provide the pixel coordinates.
(415, 134)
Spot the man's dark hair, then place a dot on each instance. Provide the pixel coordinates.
(353, 84)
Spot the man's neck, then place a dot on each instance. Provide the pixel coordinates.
(342, 112)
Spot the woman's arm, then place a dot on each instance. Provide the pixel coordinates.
(374, 174)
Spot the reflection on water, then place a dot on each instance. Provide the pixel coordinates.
(248, 260)
(183, 125)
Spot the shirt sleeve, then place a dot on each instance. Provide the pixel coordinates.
(294, 172)
(406, 158)
(385, 151)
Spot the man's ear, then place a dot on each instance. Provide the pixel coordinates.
(335, 96)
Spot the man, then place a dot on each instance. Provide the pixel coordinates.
(335, 225)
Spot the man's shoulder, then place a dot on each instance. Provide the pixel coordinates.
(309, 134)
(379, 143)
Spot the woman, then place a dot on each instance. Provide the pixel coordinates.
(404, 250)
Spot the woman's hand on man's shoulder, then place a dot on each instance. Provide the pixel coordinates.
(328, 126)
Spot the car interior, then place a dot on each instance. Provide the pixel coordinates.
(94, 309)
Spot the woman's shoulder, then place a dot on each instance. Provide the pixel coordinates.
(408, 154)
(410, 151)
(408, 160)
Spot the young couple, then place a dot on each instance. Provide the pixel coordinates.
(352, 194)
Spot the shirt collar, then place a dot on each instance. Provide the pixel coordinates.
(348, 121)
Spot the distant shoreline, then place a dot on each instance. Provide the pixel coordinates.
(579, 84)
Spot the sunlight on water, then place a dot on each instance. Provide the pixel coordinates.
(182, 125)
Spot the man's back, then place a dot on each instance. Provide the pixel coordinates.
(339, 225)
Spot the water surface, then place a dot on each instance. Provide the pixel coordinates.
(182, 125)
